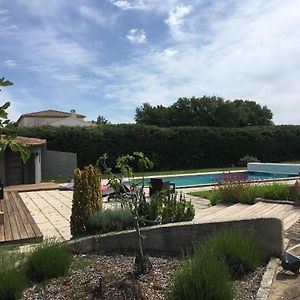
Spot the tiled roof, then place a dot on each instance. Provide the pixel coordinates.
(51, 113)
(28, 141)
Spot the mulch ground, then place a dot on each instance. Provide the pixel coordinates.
(110, 277)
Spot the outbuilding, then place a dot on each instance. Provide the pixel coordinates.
(42, 164)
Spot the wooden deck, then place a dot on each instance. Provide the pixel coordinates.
(32, 187)
(288, 214)
(19, 226)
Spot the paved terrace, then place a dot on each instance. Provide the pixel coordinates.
(51, 210)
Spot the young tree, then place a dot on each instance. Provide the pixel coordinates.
(132, 196)
(9, 139)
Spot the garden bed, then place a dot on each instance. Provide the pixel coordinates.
(108, 277)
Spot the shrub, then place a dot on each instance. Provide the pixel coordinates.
(247, 159)
(207, 273)
(87, 198)
(166, 208)
(116, 219)
(230, 186)
(240, 252)
(247, 194)
(202, 278)
(47, 260)
(12, 277)
(174, 210)
(273, 191)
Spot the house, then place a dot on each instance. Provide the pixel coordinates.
(52, 118)
(43, 164)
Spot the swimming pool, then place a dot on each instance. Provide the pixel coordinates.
(213, 178)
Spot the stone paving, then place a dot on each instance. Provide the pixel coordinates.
(286, 285)
(51, 211)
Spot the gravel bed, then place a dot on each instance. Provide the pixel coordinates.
(246, 288)
(110, 277)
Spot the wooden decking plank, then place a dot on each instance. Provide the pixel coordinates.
(7, 228)
(288, 223)
(291, 219)
(287, 210)
(19, 219)
(23, 215)
(266, 208)
(278, 211)
(272, 210)
(19, 226)
(2, 237)
(32, 187)
(225, 212)
(33, 224)
(253, 209)
(208, 211)
(12, 219)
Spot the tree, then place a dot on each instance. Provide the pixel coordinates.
(9, 139)
(132, 197)
(205, 111)
(102, 121)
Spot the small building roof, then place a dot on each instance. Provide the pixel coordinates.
(28, 141)
(50, 113)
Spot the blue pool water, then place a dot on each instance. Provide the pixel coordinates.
(209, 179)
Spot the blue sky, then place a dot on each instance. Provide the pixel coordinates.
(106, 57)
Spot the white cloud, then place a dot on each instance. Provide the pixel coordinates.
(177, 15)
(167, 53)
(126, 5)
(10, 63)
(157, 5)
(97, 16)
(136, 36)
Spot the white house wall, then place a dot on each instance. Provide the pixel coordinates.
(71, 122)
(35, 122)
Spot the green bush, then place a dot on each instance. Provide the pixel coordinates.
(240, 252)
(273, 191)
(12, 276)
(208, 272)
(47, 260)
(239, 193)
(116, 219)
(166, 208)
(231, 185)
(87, 198)
(203, 278)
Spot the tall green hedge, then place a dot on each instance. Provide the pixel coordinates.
(174, 148)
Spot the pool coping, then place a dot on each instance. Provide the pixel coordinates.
(217, 172)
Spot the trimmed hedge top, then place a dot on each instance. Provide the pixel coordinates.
(174, 148)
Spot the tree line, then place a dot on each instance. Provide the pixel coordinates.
(205, 111)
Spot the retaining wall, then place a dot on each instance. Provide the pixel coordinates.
(176, 238)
